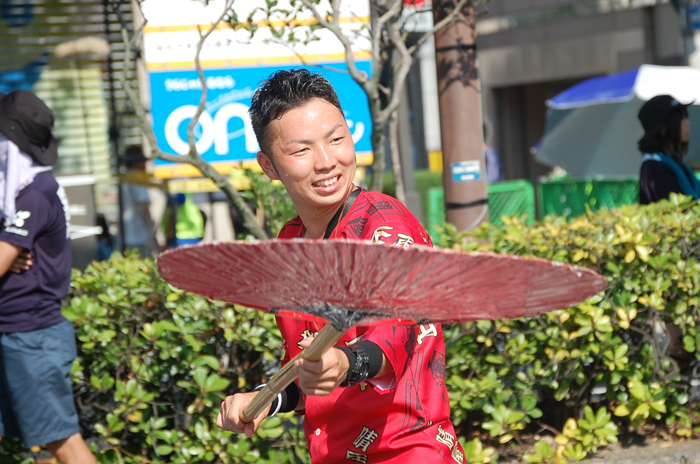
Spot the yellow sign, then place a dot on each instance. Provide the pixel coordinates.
(203, 185)
(175, 171)
(141, 178)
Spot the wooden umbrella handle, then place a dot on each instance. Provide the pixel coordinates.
(326, 339)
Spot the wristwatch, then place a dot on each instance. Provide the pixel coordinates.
(359, 366)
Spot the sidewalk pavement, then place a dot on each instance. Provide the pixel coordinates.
(651, 452)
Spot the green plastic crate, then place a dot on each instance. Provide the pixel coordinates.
(507, 198)
(570, 196)
(511, 198)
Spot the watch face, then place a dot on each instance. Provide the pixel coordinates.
(359, 369)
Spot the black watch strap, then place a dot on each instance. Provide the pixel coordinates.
(359, 365)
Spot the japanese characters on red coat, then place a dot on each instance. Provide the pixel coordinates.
(402, 419)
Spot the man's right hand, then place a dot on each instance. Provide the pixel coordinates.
(229, 415)
(22, 263)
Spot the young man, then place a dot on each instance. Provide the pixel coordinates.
(139, 229)
(37, 344)
(379, 396)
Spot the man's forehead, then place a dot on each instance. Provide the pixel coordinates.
(304, 123)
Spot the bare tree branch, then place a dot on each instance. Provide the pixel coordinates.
(302, 58)
(402, 67)
(377, 58)
(200, 73)
(193, 157)
(442, 23)
(359, 76)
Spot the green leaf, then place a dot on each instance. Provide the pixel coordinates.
(208, 360)
(621, 410)
(215, 383)
(494, 359)
(200, 378)
(164, 450)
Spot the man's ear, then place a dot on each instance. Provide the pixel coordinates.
(267, 166)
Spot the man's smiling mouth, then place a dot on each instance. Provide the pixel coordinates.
(327, 182)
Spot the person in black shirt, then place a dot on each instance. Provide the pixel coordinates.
(37, 344)
(664, 144)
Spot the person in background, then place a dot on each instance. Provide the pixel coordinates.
(105, 244)
(183, 222)
(494, 166)
(663, 146)
(37, 344)
(139, 229)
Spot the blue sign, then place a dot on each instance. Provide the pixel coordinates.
(224, 132)
(466, 171)
(694, 13)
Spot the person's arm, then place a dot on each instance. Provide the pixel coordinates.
(657, 181)
(8, 254)
(321, 378)
(229, 414)
(18, 238)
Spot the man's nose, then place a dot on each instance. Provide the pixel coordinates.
(324, 159)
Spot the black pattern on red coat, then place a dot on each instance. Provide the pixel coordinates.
(357, 226)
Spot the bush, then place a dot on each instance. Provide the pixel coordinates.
(272, 200)
(570, 369)
(154, 363)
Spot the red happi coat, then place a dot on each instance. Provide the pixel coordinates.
(401, 420)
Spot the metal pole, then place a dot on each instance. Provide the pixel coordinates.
(464, 170)
(113, 128)
(413, 200)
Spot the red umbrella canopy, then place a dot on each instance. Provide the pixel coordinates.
(386, 285)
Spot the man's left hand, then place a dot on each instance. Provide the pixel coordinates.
(321, 378)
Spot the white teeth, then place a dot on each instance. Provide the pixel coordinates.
(327, 182)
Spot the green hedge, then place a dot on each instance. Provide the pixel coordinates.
(602, 366)
(154, 361)
(153, 365)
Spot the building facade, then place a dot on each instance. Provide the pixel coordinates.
(530, 50)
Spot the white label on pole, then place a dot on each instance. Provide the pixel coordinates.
(466, 171)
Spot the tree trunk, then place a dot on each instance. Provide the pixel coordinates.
(400, 191)
(378, 148)
(464, 170)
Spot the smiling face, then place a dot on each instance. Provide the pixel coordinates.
(313, 155)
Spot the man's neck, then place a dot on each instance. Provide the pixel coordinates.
(316, 220)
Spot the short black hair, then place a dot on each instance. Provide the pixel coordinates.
(285, 90)
(670, 139)
(133, 154)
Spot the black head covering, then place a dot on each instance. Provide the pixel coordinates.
(28, 122)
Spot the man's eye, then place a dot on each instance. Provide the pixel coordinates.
(337, 139)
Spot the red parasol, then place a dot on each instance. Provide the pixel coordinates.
(358, 283)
